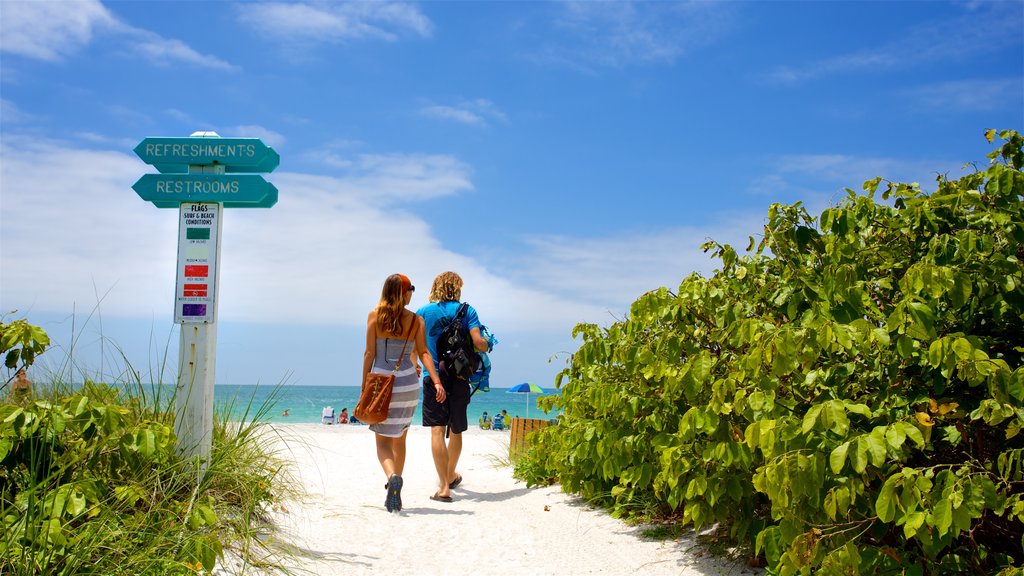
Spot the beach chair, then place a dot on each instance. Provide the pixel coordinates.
(327, 415)
(498, 423)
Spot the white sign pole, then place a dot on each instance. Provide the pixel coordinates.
(195, 309)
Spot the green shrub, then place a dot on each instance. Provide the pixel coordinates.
(846, 398)
(91, 483)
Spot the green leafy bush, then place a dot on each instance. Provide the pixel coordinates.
(845, 399)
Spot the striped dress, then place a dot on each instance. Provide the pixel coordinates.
(406, 393)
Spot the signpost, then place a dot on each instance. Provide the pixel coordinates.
(195, 179)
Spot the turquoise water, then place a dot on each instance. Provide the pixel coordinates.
(305, 403)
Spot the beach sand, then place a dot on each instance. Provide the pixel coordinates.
(496, 525)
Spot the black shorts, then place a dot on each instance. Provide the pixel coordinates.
(451, 412)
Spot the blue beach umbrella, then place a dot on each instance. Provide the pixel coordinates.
(526, 388)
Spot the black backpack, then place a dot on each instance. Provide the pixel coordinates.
(457, 359)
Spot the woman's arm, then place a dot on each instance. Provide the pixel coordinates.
(371, 345)
(426, 359)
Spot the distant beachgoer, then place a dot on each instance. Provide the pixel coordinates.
(390, 329)
(447, 418)
(343, 416)
(285, 413)
(485, 421)
(21, 387)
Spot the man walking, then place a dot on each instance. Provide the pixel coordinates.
(448, 416)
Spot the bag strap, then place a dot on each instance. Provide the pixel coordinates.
(460, 313)
(398, 363)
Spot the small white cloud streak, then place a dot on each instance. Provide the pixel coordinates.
(320, 22)
(820, 180)
(974, 95)
(10, 113)
(472, 113)
(266, 135)
(459, 115)
(620, 34)
(978, 31)
(396, 177)
(165, 52)
(611, 272)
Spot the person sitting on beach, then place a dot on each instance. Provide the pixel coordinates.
(343, 417)
(21, 387)
(485, 421)
(285, 413)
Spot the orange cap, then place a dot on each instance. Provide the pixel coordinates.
(406, 283)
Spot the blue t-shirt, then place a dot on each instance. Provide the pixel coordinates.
(436, 316)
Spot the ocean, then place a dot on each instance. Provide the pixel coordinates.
(306, 403)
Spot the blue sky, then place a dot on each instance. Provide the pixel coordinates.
(563, 157)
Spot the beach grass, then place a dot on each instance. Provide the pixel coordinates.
(91, 482)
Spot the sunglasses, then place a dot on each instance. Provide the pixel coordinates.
(412, 288)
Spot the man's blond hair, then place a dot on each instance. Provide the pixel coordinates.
(447, 287)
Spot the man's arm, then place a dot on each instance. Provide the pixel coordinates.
(478, 340)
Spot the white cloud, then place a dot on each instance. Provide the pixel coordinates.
(473, 112)
(313, 263)
(968, 94)
(317, 257)
(51, 30)
(168, 51)
(268, 136)
(609, 273)
(10, 113)
(820, 180)
(71, 227)
(457, 114)
(316, 22)
(386, 178)
(619, 34)
(980, 30)
(105, 140)
(181, 116)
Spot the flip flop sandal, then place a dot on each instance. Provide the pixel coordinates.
(441, 498)
(456, 482)
(393, 501)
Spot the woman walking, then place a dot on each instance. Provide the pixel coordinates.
(391, 331)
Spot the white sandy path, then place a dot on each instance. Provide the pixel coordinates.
(496, 525)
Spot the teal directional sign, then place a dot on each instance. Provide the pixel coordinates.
(175, 155)
(232, 190)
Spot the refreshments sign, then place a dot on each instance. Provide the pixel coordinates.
(175, 155)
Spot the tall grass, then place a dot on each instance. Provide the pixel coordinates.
(91, 483)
